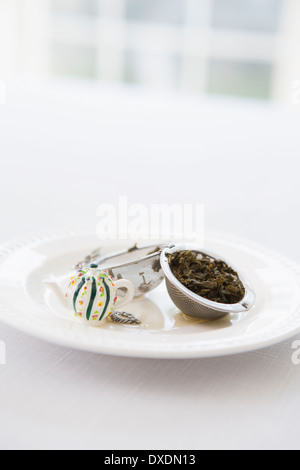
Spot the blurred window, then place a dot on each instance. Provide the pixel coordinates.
(254, 15)
(167, 11)
(229, 47)
(153, 70)
(234, 78)
(215, 46)
(74, 61)
(81, 7)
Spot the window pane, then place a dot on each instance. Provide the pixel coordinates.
(169, 11)
(85, 7)
(198, 13)
(240, 79)
(257, 15)
(74, 61)
(154, 70)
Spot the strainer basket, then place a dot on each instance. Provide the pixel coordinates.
(191, 304)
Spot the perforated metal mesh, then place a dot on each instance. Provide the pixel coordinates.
(191, 308)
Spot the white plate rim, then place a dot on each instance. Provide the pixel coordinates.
(195, 349)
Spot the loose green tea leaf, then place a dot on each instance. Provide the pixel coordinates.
(134, 248)
(207, 277)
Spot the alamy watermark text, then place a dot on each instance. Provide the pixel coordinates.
(156, 222)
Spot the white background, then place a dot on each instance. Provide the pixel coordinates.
(67, 148)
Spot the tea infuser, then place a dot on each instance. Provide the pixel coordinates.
(140, 266)
(191, 304)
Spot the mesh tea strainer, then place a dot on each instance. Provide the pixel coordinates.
(191, 304)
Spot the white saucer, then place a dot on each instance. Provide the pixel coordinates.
(27, 304)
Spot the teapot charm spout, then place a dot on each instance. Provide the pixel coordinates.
(59, 293)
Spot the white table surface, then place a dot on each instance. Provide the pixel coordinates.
(64, 148)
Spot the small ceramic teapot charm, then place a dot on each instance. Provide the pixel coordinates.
(92, 294)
